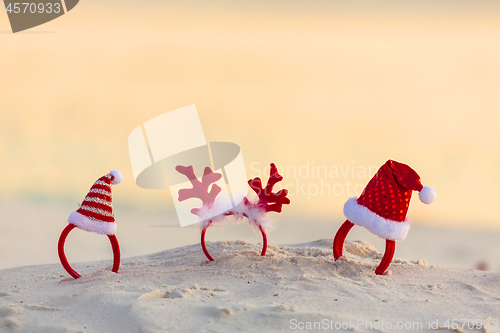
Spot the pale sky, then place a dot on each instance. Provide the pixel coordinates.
(336, 87)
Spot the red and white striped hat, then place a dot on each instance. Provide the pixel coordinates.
(96, 211)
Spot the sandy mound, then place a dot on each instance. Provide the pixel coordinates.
(293, 286)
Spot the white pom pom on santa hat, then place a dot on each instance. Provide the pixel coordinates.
(427, 195)
(118, 177)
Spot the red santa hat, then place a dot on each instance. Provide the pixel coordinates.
(96, 211)
(383, 205)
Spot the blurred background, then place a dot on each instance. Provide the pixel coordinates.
(303, 84)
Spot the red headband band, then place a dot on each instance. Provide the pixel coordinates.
(64, 261)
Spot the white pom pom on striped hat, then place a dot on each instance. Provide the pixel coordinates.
(96, 211)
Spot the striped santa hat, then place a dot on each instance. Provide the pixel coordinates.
(96, 211)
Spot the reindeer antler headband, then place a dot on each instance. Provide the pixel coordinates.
(256, 213)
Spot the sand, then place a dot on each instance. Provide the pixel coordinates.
(292, 287)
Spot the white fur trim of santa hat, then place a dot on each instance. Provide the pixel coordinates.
(118, 177)
(84, 223)
(427, 195)
(376, 224)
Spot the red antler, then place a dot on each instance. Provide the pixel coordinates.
(271, 202)
(199, 189)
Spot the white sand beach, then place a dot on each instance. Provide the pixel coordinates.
(178, 290)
